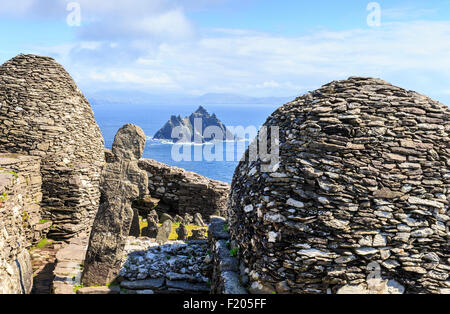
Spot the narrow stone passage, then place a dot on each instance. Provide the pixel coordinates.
(44, 262)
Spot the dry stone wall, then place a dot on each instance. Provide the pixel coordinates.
(185, 192)
(21, 225)
(361, 192)
(43, 113)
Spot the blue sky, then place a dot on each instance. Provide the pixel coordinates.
(249, 47)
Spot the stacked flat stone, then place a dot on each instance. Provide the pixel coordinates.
(21, 225)
(361, 192)
(184, 192)
(43, 113)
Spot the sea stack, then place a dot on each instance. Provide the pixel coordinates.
(194, 127)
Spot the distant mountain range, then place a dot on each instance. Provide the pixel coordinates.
(135, 97)
(194, 128)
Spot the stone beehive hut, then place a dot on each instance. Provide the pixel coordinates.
(43, 113)
(360, 200)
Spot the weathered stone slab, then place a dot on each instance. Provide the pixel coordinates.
(143, 284)
(188, 287)
(99, 290)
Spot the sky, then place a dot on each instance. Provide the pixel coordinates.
(258, 48)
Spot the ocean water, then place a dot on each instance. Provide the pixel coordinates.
(151, 118)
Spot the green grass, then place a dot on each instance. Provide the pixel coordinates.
(42, 244)
(233, 252)
(173, 235)
(3, 196)
(112, 284)
(77, 287)
(9, 171)
(225, 228)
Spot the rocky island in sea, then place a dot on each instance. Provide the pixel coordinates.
(195, 128)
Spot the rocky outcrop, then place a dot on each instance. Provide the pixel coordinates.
(21, 224)
(194, 128)
(182, 192)
(43, 113)
(362, 191)
(122, 183)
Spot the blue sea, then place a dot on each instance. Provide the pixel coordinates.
(151, 118)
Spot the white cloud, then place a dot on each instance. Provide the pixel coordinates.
(406, 12)
(152, 45)
(413, 55)
(120, 76)
(172, 23)
(104, 20)
(16, 8)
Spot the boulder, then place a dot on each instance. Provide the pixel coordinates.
(164, 232)
(198, 234)
(198, 220)
(182, 232)
(188, 219)
(164, 217)
(178, 219)
(151, 231)
(153, 215)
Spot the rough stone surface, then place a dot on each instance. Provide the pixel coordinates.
(43, 113)
(44, 262)
(172, 267)
(122, 182)
(198, 234)
(188, 219)
(164, 231)
(198, 220)
(182, 232)
(184, 192)
(21, 225)
(129, 143)
(151, 231)
(363, 184)
(225, 272)
(165, 217)
(69, 265)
